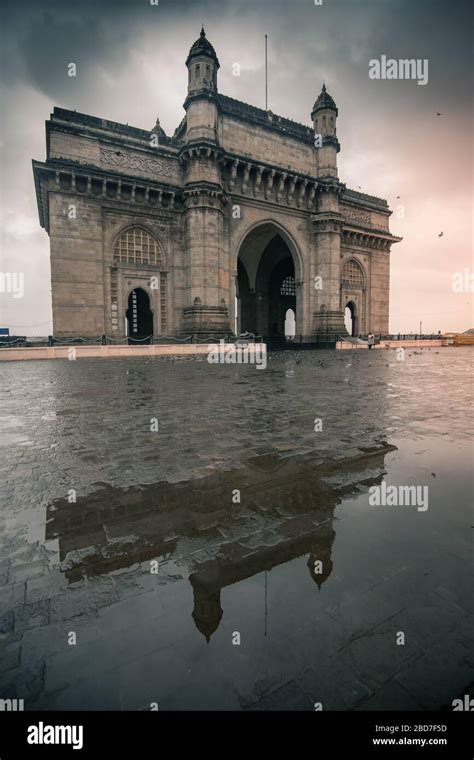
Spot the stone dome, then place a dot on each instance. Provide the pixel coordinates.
(324, 101)
(202, 46)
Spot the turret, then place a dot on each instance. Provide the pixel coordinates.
(201, 105)
(324, 115)
(202, 63)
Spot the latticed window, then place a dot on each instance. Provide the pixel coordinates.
(288, 287)
(137, 246)
(164, 321)
(352, 274)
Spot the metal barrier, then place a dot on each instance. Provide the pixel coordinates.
(51, 340)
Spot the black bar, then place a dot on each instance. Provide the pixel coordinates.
(124, 734)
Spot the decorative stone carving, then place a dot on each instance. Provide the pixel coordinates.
(302, 192)
(291, 190)
(269, 185)
(116, 158)
(312, 194)
(357, 216)
(245, 178)
(280, 186)
(233, 174)
(379, 241)
(258, 180)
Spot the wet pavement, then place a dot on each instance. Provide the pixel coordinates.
(196, 536)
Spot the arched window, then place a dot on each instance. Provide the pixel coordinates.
(352, 274)
(288, 287)
(137, 246)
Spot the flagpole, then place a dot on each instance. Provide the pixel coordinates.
(266, 75)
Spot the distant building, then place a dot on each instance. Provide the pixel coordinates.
(458, 339)
(235, 223)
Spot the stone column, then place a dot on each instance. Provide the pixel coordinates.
(208, 284)
(328, 316)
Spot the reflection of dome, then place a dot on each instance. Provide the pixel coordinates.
(319, 578)
(202, 46)
(207, 612)
(321, 551)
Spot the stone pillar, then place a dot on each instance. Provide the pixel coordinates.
(208, 286)
(328, 316)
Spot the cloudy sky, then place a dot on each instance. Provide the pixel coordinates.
(130, 68)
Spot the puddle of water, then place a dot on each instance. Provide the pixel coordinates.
(236, 559)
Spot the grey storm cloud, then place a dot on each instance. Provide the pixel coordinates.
(40, 37)
(130, 57)
(307, 43)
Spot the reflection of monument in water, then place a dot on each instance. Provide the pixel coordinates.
(208, 583)
(286, 511)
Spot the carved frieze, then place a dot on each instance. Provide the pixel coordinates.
(357, 216)
(140, 163)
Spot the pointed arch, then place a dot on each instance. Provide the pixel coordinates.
(353, 274)
(137, 245)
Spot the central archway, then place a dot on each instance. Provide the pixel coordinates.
(267, 271)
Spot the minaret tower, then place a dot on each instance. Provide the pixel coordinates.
(207, 265)
(201, 103)
(328, 316)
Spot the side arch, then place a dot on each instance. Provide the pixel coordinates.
(353, 295)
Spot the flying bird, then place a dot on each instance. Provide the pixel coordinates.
(440, 234)
(438, 114)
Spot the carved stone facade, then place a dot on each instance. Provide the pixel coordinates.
(224, 227)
